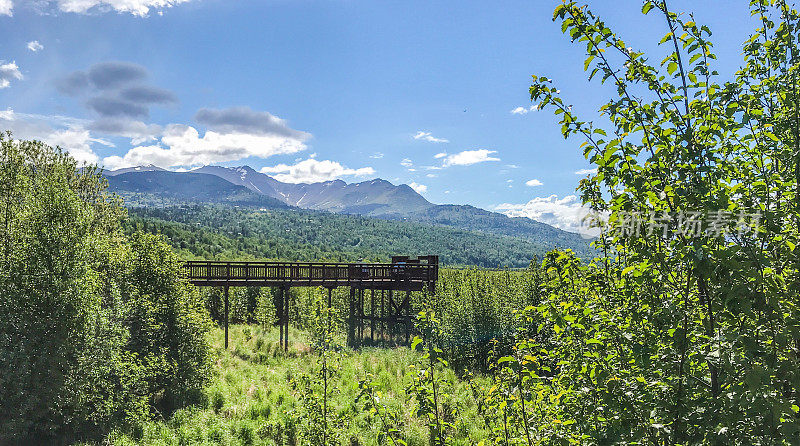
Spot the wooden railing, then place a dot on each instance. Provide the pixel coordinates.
(378, 275)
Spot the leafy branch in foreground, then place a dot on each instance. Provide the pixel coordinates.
(390, 420)
(426, 386)
(693, 330)
(321, 423)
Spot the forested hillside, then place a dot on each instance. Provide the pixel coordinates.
(244, 187)
(197, 231)
(163, 188)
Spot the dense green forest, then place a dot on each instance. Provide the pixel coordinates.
(99, 330)
(684, 329)
(208, 232)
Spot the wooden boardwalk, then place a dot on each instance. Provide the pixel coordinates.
(402, 275)
(382, 279)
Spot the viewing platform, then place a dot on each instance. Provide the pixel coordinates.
(379, 316)
(402, 274)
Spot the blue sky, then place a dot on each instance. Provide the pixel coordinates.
(311, 90)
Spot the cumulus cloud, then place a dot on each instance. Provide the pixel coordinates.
(34, 45)
(115, 89)
(6, 7)
(9, 72)
(114, 74)
(523, 110)
(565, 213)
(418, 188)
(440, 155)
(426, 136)
(140, 8)
(246, 120)
(106, 106)
(469, 157)
(313, 171)
(533, 183)
(144, 94)
(73, 84)
(76, 142)
(586, 171)
(67, 133)
(116, 93)
(137, 131)
(182, 145)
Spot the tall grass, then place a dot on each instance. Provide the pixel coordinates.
(251, 401)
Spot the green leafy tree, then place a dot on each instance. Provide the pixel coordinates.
(681, 336)
(426, 384)
(321, 423)
(96, 328)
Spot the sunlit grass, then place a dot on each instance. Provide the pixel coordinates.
(250, 400)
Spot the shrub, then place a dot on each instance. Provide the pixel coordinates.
(95, 327)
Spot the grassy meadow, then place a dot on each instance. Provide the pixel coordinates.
(250, 400)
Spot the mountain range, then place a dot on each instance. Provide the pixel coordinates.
(244, 186)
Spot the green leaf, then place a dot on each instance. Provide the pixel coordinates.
(672, 67)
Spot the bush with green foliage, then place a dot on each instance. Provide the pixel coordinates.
(98, 329)
(679, 335)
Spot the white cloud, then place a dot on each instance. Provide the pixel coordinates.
(586, 171)
(406, 162)
(565, 213)
(140, 8)
(76, 142)
(418, 188)
(431, 175)
(440, 155)
(469, 157)
(426, 136)
(6, 7)
(533, 183)
(34, 45)
(523, 110)
(185, 147)
(313, 171)
(68, 133)
(9, 72)
(237, 133)
(377, 155)
(137, 131)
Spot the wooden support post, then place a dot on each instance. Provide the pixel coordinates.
(407, 315)
(372, 316)
(330, 292)
(280, 316)
(390, 315)
(351, 320)
(226, 317)
(286, 319)
(383, 320)
(361, 316)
